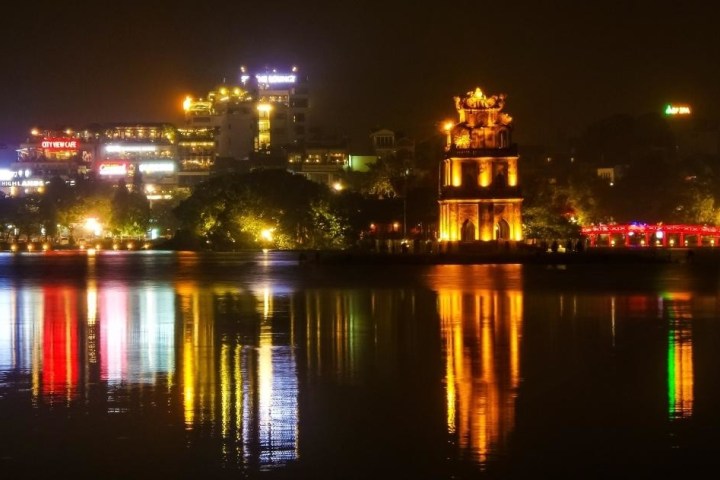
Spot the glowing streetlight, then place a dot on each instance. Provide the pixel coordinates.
(92, 225)
(267, 234)
(187, 103)
(447, 128)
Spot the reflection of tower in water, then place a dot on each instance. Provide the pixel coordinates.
(481, 330)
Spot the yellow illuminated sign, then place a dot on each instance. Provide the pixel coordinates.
(677, 110)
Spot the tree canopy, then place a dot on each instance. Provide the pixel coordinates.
(263, 208)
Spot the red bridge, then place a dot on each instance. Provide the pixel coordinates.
(660, 235)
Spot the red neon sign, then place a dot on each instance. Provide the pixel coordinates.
(59, 144)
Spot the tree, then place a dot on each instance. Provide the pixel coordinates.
(130, 211)
(263, 208)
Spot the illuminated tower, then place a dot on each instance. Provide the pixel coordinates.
(479, 195)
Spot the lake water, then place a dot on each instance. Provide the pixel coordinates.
(143, 364)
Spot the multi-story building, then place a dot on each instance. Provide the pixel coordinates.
(138, 153)
(320, 162)
(195, 154)
(388, 144)
(46, 154)
(260, 117)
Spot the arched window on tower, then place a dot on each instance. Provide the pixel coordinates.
(502, 230)
(500, 179)
(467, 231)
(469, 174)
(503, 138)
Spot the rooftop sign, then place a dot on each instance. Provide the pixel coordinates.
(112, 148)
(112, 169)
(271, 78)
(677, 110)
(59, 144)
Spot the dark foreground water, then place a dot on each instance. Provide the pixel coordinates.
(179, 365)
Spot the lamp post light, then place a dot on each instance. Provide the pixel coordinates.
(405, 175)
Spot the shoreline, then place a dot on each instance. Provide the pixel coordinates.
(591, 256)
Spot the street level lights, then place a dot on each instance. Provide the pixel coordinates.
(405, 175)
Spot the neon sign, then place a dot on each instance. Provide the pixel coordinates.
(109, 169)
(275, 78)
(157, 167)
(677, 110)
(59, 144)
(129, 148)
(21, 183)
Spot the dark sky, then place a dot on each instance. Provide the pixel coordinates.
(394, 64)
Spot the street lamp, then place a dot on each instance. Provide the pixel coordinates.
(405, 175)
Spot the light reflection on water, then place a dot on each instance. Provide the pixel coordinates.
(481, 327)
(250, 362)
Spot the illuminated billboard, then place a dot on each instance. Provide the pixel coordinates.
(59, 144)
(115, 148)
(677, 110)
(6, 174)
(275, 78)
(112, 169)
(22, 183)
(271, 78)
(157, 167)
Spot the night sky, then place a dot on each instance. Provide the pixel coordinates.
(394, 64)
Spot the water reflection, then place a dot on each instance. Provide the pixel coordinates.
(680, 376)
(244, 379)
(60, 343)
(263, 369)
(244, 382)
(481, 326)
